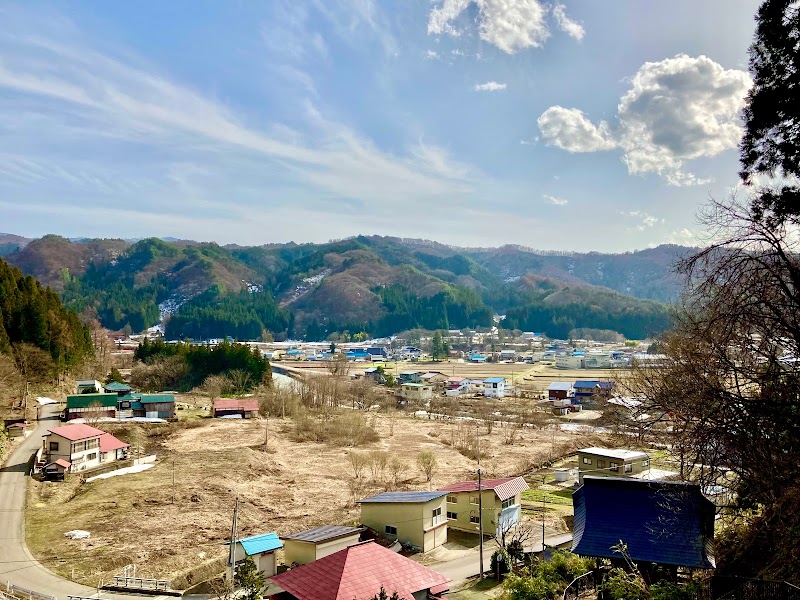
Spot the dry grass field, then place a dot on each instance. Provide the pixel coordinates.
(286, 488)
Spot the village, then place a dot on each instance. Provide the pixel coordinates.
(470, 463)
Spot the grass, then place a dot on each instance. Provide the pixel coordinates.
(478, 590)
(549, 497)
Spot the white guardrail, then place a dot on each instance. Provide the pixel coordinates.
(15, 591)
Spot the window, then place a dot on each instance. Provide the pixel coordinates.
(613, 467)
(474, 519)
(53, 446)
(645, 463)
(508, 502)
(473, 500)
(437, 515)
(587, 461)
(452, 516)
(91, 456)
(627, 468)
(390, 530)
(452, 499)
(601, 464)
(94, 443)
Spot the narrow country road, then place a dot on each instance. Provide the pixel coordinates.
(17, 566)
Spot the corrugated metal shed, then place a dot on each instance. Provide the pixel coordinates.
(87, 400)
(157, 398)
(663, 522)
(409, 497)
(258, 544)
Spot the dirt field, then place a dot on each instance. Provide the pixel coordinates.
(290, 487)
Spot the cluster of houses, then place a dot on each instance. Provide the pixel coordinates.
(566, 396)
(116, 401)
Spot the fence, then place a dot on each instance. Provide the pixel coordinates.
(140, 583)
(15, 590)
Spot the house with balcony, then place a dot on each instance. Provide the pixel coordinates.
(608, 462)
(78, 447)
(415, 519)
(501, 501)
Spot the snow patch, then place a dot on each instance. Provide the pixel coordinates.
(123, 471)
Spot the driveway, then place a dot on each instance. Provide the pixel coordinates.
(17, 566)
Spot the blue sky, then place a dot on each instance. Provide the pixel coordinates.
(575, 125)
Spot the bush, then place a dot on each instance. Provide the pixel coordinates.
(348, 428)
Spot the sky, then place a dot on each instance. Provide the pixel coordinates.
(573, 125)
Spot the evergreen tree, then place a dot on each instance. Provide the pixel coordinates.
(771, 143)
(249, 579)
(436, 346)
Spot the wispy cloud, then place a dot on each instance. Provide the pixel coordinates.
(556, 201)
(567, 25)
(645, 220)
(490, 86)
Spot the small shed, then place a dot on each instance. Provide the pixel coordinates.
(310, 545)
(261, 548)
(56, 469)
(17, 429)
(245, 408)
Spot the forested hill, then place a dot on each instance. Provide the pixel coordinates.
(33, 315)
(369, 285)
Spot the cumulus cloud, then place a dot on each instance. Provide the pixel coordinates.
(567, 25)
(678, 109)
(555, 200)
(570, 130)
(510, 25)
(490, 86)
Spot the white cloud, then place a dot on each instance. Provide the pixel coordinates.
(510, 25)
(678, 109)
(567, 25)
(490, 86)
(432, 55)
(645, 220)
(555, 200)
(570, 130)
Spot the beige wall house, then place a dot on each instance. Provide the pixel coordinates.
(416, 519)
(606, 462)
(261, 548)
(416, 391)
(310, 545)
(501, 500)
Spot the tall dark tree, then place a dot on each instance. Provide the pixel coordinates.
(771, 144)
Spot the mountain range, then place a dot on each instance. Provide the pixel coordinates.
(367, 284)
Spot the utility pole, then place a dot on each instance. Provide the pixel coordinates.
(266, 431)
(480, 521)
(232, 551)
(173, 479)
(543, 508)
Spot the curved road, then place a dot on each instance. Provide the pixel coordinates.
(16, 563)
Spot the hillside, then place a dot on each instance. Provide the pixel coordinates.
(371, 284)
(10, 243)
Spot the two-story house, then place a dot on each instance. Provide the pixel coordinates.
(416, 391)
(501, 501)
(494, 387)
(78, 447)
(607, 462)
(416, 519)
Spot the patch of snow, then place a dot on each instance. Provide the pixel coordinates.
(43, 400)
(123, 471)
(252, 287)
(77, 534)
(170, 306)
(512, 279)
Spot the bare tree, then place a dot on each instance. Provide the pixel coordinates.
(378, 460)
(397, 469)
(426, 461)
(511, 537)
(358, 461)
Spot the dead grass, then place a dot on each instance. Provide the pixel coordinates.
(290, 487)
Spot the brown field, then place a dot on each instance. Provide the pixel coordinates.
(290, 487)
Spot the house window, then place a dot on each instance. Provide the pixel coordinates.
(452, 516)
(474, 519)
(92, 456)
(390, 530)
(587, 461)
(452, 499)
(92, 443)
(627, 468)
(508, 502)
(601, 464)
(645, 463)
(473, 500)
(53, 446)
(437, 515)
(613, 467)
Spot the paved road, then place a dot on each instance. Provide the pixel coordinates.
(17, 566)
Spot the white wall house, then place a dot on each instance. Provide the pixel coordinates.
(81, 446)
(494, 387)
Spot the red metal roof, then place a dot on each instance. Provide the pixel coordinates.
(505, 488)
(359, 572)
(109, 443)
(76, 432)
(65, 464)
(243, 404)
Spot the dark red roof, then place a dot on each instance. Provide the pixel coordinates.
(243, 404)
(505, 488)
(108, 443)
(76, 432)
(359, 572)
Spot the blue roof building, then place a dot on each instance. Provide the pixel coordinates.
(261, 548)
(664, 522)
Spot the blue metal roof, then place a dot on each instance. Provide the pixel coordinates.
(586, 383)
(403, 497)
(266, 542)
(494, 379)
(664, 522)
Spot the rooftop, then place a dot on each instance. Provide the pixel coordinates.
(359, 571)
(505, 488)
(560, 386)
(410, 497)
(108, 443)
(323, 533)
(244, 404)
(494, 380)
(615, 453)
(76, 432)
(587, 383)
(265, 542)
(116, 386)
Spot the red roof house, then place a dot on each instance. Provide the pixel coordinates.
(504, 488)
(356, 573)
(77, 432)
(81, 447)
(232, 407)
